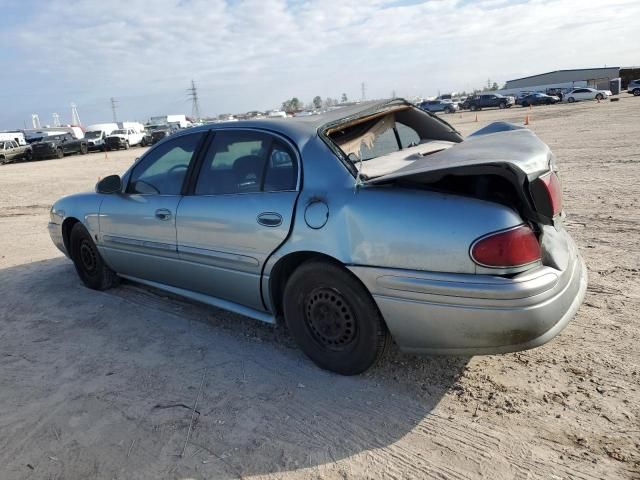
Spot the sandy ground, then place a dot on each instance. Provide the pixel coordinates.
(101, 385)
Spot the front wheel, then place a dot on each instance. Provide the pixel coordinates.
(83, 149)
(473, 108)
(333, 318)
(599, 96)
(28, 155)
(126, 145)
(89, 264)
(571, 100)
(636, 92)
(502, 105)
(59, 153)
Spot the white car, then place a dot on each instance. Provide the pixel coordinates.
(587, 94)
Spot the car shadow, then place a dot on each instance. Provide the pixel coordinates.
(107, 382)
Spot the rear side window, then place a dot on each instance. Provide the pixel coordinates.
(246, 162)
(163, 170)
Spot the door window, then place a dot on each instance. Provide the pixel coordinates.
(282, 169)
(163, 169)
(234, 163)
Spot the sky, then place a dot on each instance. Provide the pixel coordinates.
(254, 54)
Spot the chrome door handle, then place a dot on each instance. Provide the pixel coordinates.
(163, 214)
(270, 219)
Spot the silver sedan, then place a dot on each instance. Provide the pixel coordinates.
(354, 227)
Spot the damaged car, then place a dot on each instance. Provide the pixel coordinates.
(363, 225)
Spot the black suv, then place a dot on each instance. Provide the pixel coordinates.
(487, 100)
(58, 146)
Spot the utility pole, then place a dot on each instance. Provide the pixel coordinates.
(114, 103)
(75, 118)
(195, 105)
(56, 120)
(364, 91)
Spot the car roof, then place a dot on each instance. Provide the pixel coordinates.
(300, 129)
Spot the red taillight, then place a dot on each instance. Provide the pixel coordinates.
(508, 248)
(554, 190)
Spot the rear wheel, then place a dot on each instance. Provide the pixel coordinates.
(2, 160)
(599, 96)
(83, 149)
(59, 153)
(636, 92)
(571, 100)
(89, 264)
(333, 318)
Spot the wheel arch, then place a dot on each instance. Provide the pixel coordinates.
(284, 268)
(67, 226)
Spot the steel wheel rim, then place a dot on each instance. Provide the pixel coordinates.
(330, 319)
(88, 257)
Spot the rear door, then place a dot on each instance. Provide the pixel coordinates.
(239, 211)
(138, 226)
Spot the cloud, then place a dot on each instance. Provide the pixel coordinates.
(247, 54)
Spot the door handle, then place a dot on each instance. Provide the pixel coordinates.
(163, 214)
(270, 219)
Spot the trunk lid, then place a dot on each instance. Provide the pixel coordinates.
(509, 154)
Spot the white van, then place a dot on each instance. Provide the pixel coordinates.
(97, 133)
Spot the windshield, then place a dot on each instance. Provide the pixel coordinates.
(119, 132)
(96, 134)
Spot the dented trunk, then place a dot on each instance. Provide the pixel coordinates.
(503, 163)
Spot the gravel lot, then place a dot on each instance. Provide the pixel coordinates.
(101, 384)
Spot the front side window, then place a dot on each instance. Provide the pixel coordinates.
(163, 169)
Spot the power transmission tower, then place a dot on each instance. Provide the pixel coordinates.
(75, 118)
(56, 120)
(364, 91)
(35, 120)
(114, 103)
(195, 105)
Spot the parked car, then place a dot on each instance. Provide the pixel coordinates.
(162, 133)
(439, 106)
(58, 146)
(124, 138)
(538, 99)
(398, 228)
(97, 134)
(10, 151)
(487, 100)
(578, 94)
(634, 87)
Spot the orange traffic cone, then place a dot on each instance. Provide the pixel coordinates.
(526, 120)
(476, 117)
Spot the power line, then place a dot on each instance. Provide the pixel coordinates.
(114, 103)
(195, 105)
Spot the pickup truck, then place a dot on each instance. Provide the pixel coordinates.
(58, 146)
(10, 151)
(124, 138)
(487, 100)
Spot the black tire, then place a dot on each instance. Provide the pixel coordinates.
(599, 96)
(525, 104)
(126, 145)
(28, 155)
(571, 99)
(636, 92)
(90, 266)
(59, 153)
(502, 105)
(2, 160)
(83, 149)
(333, 318)
(473, 108)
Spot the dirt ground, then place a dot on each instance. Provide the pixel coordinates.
(102, 384)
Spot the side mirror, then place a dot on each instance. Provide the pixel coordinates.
(110, 184)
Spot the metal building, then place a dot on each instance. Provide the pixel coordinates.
(590, 77)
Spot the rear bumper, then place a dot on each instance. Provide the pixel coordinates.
(461, 314)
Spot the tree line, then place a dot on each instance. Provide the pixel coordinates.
(294, 104)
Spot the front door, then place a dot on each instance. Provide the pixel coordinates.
(239, 212)
(138, 226)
